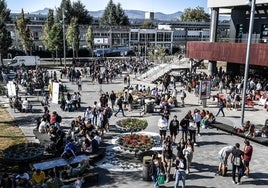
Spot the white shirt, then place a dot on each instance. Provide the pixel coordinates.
(162, 124)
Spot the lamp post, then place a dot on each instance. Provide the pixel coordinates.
(63, 35)
(251, 24)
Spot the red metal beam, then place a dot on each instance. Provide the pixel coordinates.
(229, 52)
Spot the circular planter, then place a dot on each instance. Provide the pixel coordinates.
(135, 142)
(132, 124)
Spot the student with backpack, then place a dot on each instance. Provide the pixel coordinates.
(156, 170)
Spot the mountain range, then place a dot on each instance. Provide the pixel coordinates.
(135, 14)
(132, 14)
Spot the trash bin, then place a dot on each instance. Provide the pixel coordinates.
(146, 165)
(149, 108)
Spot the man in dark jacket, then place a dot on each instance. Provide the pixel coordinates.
(174, 128)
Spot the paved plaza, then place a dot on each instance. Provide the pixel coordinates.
(205, 160)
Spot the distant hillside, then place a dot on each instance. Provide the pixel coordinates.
(132, 14)
(136, 14)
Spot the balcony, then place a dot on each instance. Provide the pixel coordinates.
(229, 52)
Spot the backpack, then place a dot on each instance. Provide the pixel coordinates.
(59, 118)
(109, 112)
(151, 169)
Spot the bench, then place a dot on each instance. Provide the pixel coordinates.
(94, 157)
(86, 176)
(58, 162)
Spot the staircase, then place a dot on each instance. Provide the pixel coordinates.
(160, 69)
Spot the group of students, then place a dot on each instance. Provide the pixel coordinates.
(160, 167)
(239, 159)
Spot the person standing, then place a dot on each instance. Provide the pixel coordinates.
(79, 83)
(237, 163)
(183, 96)
(179, 173)
(197, 119)
(174, 128)
(221, 106)
(248, 150)
(120, 106)
(223, 157)
(113, 99)
(162, 124)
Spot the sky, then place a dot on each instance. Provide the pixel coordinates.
(164, 6)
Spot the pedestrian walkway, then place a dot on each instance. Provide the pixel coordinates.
(205, 159)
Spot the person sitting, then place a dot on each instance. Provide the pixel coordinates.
(22, 179)
(26, 106)
(251, 131)
(53, 181)
(86, 147)
(95, 142)
(38, 178)
(69, 150)
(43, 126)
(246, 126)
(80, 169)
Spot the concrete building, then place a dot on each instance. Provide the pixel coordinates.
(233, 50)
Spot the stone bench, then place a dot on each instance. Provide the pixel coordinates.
(87, 176)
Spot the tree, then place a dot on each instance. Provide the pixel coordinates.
(56, 39)
(114, 15)
(197, 14)
(66, 9)
(5, 38)
(24, 33)
(46, 32)
(147, 24)
(90, 38)
(72, 35)
(77, 9)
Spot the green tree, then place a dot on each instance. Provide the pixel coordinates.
(90, 38)
(72, 35)
(114, 15)
(197, 14)
(66, 9)
(46, 31)
(79, 11)
(75, 9)
(147, 24)
(56, 39)
(24, 33)
(5, 38)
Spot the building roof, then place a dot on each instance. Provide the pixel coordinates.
(232, 3)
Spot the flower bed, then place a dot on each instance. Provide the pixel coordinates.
(136, 142)
(132, 124)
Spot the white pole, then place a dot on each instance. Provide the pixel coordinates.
(63, 32)
(251, 24)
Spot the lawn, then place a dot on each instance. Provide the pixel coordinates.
(10, 134)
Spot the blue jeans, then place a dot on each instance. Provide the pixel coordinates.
(180, 175)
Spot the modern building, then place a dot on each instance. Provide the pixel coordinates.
(233, 50)
(173, 35)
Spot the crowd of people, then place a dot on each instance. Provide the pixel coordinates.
(86, 131)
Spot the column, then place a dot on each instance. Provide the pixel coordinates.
(212, 66)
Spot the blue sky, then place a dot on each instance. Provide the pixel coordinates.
(165, 6)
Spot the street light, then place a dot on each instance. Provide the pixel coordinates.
(251, 24)
(63, 35)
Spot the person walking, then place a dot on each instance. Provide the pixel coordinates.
(156, 168)
(120, 106)
(237, 164)
(188, 153)
(179, 173)
(174, 128)
(167, 156)
(221, 106)
(248, 150)
(162, 125)
(223, 157)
